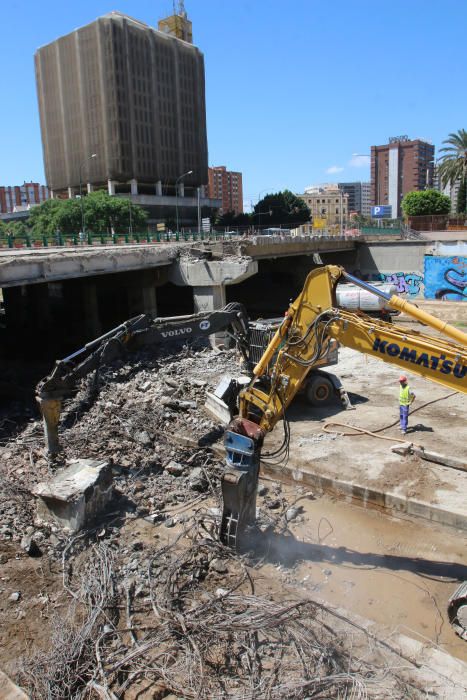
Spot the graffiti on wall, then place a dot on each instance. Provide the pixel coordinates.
(446, 278)
(405, 282)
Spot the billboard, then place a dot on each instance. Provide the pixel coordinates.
(381, 211)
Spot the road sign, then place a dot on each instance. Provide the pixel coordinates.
(161, 227)
(206, 224)
(381, 211)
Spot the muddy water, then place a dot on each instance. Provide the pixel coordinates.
(397, 572)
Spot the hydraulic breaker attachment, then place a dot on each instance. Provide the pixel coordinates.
(240, 480)
(457, 611)
(50, 409)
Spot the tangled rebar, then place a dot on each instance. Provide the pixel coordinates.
(183, 627)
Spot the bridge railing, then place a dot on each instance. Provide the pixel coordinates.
(185, 236)
(96, 239)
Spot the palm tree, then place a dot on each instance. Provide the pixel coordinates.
(453, 165)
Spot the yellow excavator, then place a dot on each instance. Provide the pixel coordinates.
(311, 323)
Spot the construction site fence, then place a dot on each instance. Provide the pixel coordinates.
(438, 222)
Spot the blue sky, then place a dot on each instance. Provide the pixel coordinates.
(293, 89)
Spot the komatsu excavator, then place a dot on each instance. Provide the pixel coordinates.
(310, 324)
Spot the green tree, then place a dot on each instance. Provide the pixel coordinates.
(281, 208)
(453, 165)
(102, 213)
(425, 202)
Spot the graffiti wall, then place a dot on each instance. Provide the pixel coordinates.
(410, 283)
(446, 278)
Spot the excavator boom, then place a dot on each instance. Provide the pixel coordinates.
(310, 324)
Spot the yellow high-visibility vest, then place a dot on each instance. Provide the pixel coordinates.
(404, 395)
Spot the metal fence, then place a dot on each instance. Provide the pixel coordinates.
(13, 241)
(75, 239)
(438, 222)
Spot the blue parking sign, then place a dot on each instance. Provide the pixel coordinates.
(381, 211)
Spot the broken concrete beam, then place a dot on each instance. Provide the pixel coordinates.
(76, 495)
(437, 458)
(403, 449)
(409, 448)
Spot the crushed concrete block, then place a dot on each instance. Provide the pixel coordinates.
(9, 690)
(403, 449)
(76, 495)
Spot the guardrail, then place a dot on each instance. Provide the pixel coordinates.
(75, 239)
(91, 239)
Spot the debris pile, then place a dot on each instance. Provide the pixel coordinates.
(145, 416)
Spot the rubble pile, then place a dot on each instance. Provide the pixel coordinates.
(145, 415)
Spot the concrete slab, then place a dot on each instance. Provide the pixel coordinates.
(76, 495)
(9, 690)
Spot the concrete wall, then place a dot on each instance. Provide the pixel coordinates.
(400, 263)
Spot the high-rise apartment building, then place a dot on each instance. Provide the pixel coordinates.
(359, 196)
(226, 185)
(452, 191)
(130, 94)
(398, 167)
(19, 197)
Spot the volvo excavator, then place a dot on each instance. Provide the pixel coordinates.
(311, 322)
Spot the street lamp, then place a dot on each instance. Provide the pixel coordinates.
(94, 155)
(180, 177)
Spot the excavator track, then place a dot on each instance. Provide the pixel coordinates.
(457, 611)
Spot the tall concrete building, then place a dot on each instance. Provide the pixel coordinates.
(132, 95)
(20, 197)
(359, 196)
(398, 167)
(226, 185)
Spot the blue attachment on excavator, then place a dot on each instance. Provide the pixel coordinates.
(239, 486)
(240, 451)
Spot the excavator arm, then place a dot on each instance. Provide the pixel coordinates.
(136, 333)
(310, 324)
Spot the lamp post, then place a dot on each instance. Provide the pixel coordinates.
(179, 178)
(93, 155)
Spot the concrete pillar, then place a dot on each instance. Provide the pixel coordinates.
(159, 188)
(202, 191)
(111, 186)
(134, 186)
(70, 193)
(90, 187)
(210, 299)
(92, 321)
(39, 305)
(142, 295)
(15, 299)
(181, 189)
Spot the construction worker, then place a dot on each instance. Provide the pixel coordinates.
(406, 397)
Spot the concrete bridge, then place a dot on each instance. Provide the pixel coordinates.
(39, 265)
(82, 291)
